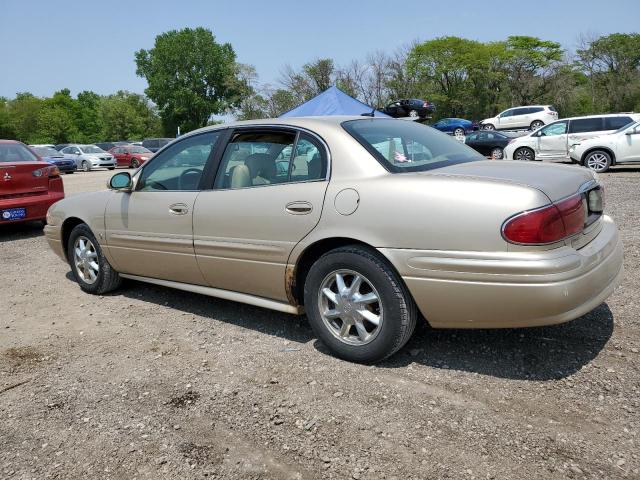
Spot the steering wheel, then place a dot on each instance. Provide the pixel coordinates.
(182, 179)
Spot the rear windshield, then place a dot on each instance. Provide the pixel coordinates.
(47, 152)
(14, 152)
(403, 146)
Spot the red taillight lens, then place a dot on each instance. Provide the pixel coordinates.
(51, 171)
(426, 104)
(547, 225)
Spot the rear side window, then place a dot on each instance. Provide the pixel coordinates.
(520, 111)
(614, 123)
(13, 152)
(535, 109)
(586, 125)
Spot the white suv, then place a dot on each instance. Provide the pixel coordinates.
(600, 153)
(529, 117)
(552, 142)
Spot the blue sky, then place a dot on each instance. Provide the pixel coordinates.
(46, 45)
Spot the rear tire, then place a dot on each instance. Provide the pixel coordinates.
(524, 154)
(497, 153)
(536, 124)
(599, 161)
(88, 264)
(347, 324)
(458, 132)
(135, 163)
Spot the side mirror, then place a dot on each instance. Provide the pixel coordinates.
(634, 131)
(121, 181)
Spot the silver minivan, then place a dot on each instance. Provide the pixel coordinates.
(552, 142)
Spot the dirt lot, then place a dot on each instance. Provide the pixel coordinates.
(155, 383)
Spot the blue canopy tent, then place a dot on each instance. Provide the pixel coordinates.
(332, 101)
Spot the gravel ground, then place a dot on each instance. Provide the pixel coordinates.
(155, 383)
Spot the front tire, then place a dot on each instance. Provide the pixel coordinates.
(86, 166)
(599, 161)
(488, 126)
(524, 154)
(358, 306)
(536, 124)
(497, 153)
(88, 264)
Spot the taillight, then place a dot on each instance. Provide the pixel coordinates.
(426, 104)
(51, 171)
(548, 224)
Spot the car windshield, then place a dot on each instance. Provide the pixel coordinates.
(47, 152)
(402, 146)
(628, 125)
(139, 150)
(92, 149)
(14, 152)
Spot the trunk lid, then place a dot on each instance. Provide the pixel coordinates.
(17, 179)
(555, 181)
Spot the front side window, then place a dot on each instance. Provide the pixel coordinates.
(256, 158)
(614, 123)
(13, 152)
(47, 152)
(559, 128)
(180, 166)
(407, 146)
(586, 125)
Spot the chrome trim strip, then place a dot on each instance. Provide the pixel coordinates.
(218, 293)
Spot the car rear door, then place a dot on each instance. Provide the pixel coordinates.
(267, 196)
(150, 230)
(582, 128)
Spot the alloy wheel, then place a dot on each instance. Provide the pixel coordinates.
(524, 154)
(85, 258)
(496, 154)
(350, 307)
(536, 125)
(85, 166)
(413, 113)
(597, 162)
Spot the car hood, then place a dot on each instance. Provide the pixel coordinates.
(555, 181)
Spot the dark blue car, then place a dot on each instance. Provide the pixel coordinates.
(455, 126)
(54, 157)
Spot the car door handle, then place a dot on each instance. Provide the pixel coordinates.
(298, 208)
(179, 209)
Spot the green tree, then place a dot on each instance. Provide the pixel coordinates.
(529, 61)
(612, 64)
(127, 116)
(23, 111)
(6, 128)
(191, 77)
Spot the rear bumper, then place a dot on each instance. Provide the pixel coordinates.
(512, 289)
(36, 206)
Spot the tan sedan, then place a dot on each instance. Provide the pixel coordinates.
(362, 223)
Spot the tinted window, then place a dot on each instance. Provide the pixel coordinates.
(586, 125)
(47, 152)
(150, 143)
(521, 111)
(558, 128)
(535, 109)
(408, 147)
(552, 108)
(474, 136)
(614, 123)
(14, 152)
(180, 166)
(257, 158)
(506, 113)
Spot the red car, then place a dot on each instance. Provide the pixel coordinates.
(28, 185)
(130, 155)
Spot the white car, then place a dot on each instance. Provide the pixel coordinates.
(89, 156)
(528, 117)
(553, 141)
(600, 153)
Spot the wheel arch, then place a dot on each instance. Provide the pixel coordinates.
(67, 227)
(296, 274)
(593, 149)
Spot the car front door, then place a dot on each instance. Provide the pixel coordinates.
(267, 196)
(72, 153)
(628, 145)
(150, 230)
(505, 119)
(552, 141)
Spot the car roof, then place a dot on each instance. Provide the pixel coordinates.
(604, 115)
(11, 142)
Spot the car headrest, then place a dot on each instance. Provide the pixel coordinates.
(261, 165)
(315, 167)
